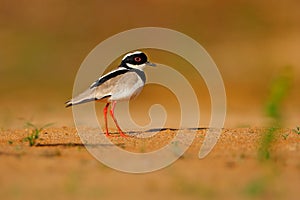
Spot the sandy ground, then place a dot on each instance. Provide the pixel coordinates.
(60, 167)
(250, 42)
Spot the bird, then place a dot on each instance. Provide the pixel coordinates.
(121, 84)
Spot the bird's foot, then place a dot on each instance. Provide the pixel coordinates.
(107, 135)
(122, 134)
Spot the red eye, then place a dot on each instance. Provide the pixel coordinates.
(137, 59)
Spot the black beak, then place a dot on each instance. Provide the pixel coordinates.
(150, 64)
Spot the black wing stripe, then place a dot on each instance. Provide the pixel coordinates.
(104, 97)
(108, 76)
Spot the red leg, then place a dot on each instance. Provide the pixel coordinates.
(113, 116)
(105, 119)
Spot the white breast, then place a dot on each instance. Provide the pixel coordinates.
(127, 87)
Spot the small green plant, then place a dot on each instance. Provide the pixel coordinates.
(34, 133)
(278, 91)
(297, 130)
(285, 136)
(256, 188)
(267, 140)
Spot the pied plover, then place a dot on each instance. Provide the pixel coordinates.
(121, 84)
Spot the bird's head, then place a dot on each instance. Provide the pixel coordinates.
(136, 60)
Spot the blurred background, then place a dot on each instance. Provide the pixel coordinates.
(43, 43)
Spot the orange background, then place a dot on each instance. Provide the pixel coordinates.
(44, 42)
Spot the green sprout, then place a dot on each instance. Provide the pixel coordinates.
(266, 143)
(256, 188)
(34, 133)
(278, 91)
(285, 136)
(297, 130)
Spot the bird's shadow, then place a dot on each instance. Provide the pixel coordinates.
(163, 129)
(79, 145)
(72, 144)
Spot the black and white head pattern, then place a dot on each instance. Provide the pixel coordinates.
(137, 60)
